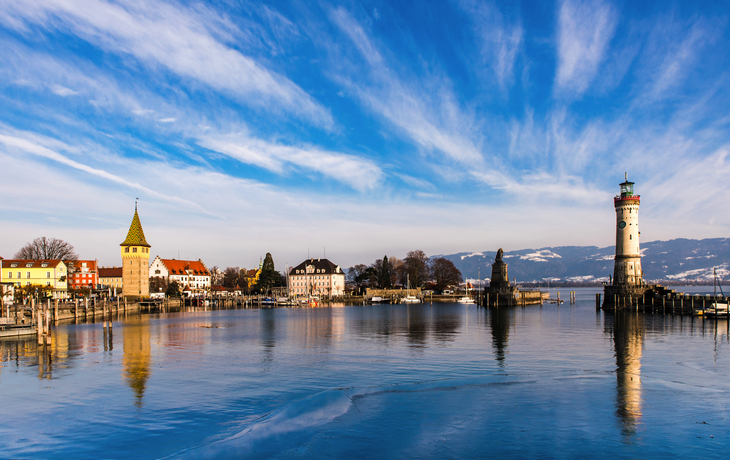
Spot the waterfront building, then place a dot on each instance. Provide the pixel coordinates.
(316, 277)
(135, 261)
(111, 278)
(190, 274)
(82, 273)
(51, 274)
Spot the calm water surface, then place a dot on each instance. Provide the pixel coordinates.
(381, 381)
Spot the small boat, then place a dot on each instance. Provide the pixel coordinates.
(377, 299)
(717, 309)
(409, 298)
(310, 302)
(268, 301)
(466, 298)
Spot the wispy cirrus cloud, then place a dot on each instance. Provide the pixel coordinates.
(434, 122)
(359, 173)
(498, 39)
(585, 29)
(202, 128)
(167, 35)
(32, 144)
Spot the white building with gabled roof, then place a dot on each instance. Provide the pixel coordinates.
(316, 277)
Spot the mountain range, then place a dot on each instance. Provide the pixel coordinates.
(673, 260)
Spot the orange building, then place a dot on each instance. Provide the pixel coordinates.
(83, 273)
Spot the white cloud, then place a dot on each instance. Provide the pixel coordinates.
(499, 41)
(163, 34)
(356, 172)
(167, 120)
(585, 29)
(63, 91)
(32, 144)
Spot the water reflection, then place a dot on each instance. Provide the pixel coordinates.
(419, 324)
(268, 334)
(499, 323)
(137, 356)
(628, 336)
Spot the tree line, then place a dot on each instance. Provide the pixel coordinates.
(416, 269)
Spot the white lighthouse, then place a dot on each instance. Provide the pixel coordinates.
(627, 271)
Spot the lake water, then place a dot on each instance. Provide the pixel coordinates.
(380, 381)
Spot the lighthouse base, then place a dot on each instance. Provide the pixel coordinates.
(619, 297)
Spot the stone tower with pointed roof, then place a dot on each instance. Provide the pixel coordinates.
(135, 262)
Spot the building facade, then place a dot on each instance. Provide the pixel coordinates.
(135, 261)
(317, 277)
(111, 278)
(49, 274)
(83, 273)
(190, 274)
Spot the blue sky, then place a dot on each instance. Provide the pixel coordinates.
(367, 128)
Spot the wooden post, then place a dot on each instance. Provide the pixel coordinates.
(598, 301)
(47, 325)
(55, 310)
(39, 327)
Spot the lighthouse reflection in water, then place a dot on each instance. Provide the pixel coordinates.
(379, 381)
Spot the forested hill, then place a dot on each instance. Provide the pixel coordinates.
(680, 260)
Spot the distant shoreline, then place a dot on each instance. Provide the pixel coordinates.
(544, 284)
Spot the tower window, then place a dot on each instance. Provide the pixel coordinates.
(134, 249)
(126, 249)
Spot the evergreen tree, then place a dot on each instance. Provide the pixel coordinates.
(269, 277)
(385, 275)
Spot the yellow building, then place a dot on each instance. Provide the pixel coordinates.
(135, 262)
(111, 278)
(47, 273)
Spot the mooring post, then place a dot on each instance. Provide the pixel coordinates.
(55, 309)
(598, 301)
(39, 327)
(47, 324)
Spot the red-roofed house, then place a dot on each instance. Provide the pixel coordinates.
(191, 273)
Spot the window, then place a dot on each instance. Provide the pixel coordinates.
(48, 283)
(134, 249)
(48, 274)
(126, 249)
(130, 262)
(27, 274)
(18, 274)
(10, 275)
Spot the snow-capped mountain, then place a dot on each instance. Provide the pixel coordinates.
(680, 259)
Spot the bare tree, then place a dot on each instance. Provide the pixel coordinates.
(47, 249)
(444, 273)
(416, 266)
(231, 276)
(216, 276)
